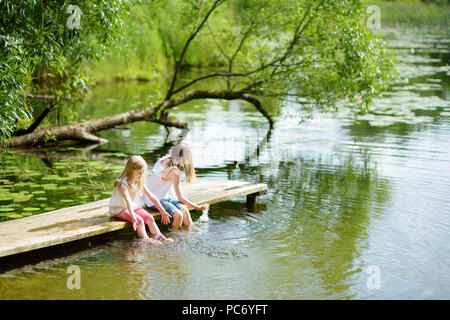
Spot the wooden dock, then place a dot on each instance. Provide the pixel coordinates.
(91, 219)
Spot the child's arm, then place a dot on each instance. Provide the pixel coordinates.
(165, 217)
(179, 194)
(126, 195)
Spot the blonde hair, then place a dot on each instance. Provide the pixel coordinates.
(134, 163)
(181, 157)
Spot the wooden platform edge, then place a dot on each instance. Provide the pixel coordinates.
(113, 226)
(110, 224)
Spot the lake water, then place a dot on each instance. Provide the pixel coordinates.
(357, 204)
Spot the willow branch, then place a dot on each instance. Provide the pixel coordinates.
(216, 4)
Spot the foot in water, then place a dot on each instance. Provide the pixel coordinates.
(152, 241)
(162, 238)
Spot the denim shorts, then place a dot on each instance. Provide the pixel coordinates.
(169, 203)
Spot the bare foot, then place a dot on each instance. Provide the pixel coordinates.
(163, 238)
(152, 241)
(169, 239)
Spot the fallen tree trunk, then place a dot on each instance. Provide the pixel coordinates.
(84, 131)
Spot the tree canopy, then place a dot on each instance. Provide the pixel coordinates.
(310, 52)
(42, 50)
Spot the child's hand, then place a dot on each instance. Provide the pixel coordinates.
(165, 218)
(204, 206)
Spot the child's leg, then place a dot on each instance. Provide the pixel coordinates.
(187, 220)
(182, 209)
(177, 219)
(142, 233)
(149, 220)
(126, 216)
(172, 205)
(173, 211)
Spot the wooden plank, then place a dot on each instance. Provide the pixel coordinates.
(90, 219)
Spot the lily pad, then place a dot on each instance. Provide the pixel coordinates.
(54, 177)
(50, 186)
(21, 197)
(73, 175)
(31, 209)
(21, 184)
(6, 209)
(41, 199)
(14, 216)
(38, 192)
(34, 174)
(66, 200)
(12, 170)
(33, 185)
(27, 214)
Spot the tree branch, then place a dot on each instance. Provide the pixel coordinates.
(216, 4)
(298, 32)
(216, 42)
(36, 122)
(212, 75)
(83, 131)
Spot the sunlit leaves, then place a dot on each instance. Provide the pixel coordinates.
(37, 45)
(320, 50)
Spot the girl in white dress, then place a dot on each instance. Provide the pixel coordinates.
(164, 183)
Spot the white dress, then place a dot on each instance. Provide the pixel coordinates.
(156, 184)
(117, 202)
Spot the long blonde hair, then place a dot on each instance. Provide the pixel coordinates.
(181, 157)
(134, 163)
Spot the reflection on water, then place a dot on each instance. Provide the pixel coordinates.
(346, 191)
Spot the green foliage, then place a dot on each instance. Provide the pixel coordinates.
(14, 70)
(310, 51)
(153, 37)
(321, 51)
(41, 52)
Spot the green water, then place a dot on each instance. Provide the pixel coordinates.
(347, 192)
